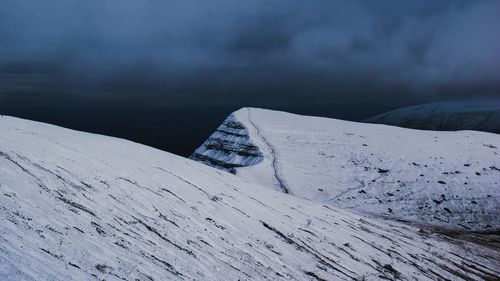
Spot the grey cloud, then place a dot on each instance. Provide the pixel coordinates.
(292, 48)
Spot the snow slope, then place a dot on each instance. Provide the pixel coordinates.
(481, 115)
(445, 179)
(78, 206)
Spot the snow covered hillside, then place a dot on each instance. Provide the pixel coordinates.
(78, 206)
(446, 116)
(446, 179)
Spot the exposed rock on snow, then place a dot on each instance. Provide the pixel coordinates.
(445, 116)
(78, 206)
(446, 179)
(228, 147)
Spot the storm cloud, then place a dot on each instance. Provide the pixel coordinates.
(232, 51)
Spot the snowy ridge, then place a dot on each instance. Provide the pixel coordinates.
(444, 179)
(445, 116)
(228, 147)
(78, 206)
(279, 181)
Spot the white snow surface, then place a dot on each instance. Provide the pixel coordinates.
(79, 206)
(444, 179)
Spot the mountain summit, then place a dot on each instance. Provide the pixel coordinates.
(444, 179)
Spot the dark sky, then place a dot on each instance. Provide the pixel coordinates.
(97, 64)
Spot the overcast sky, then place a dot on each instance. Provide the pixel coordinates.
(236, 51)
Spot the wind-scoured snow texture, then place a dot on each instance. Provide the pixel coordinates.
(78, 206)
(228, 147)
(445, 179)
(446, 116)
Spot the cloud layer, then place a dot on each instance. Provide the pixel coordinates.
(226, 49)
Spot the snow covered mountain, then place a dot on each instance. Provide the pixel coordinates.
(445, 179)
(79, 206)
(445, 116)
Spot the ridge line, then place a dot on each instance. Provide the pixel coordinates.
(274, 163)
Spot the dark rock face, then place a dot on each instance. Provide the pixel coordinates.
(229, 147)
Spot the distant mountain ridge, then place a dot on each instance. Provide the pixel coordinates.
(481, 115)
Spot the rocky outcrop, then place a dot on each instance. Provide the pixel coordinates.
(229, 147)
